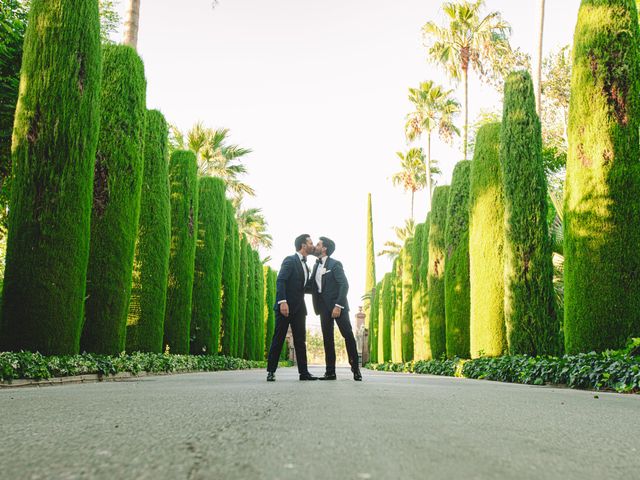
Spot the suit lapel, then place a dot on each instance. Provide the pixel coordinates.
(327, 266)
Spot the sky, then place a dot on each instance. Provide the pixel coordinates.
(318, 90)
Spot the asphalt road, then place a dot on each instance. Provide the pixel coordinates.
(235, 425)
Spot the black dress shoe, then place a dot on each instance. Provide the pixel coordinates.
(357, 376)
(328, 376)
(307, 376)
(271, 377)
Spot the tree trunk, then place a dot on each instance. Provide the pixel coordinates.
(429, 193)
(466, 110)
(131, 24)
(539, 75)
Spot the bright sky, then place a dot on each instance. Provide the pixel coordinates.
(318, 90)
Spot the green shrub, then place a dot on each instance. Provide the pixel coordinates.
(269, 313)
(55, 137)
(230, 279)
(183, 181)
(424, 337)
(207, 278)
(242, 295)
(373, 324)
(396, 335)
(250, 330)
(456, 275)
(408, 263)
(145, 320)
(259, 345)
(435, 275)
(602, 195)
(384, 320)
(486, 246)
(530, 317)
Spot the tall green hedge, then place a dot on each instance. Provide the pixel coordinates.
(145, 321)
(242, 295)
(417, 308)
(530, 316)
(183, 182)
(435, 273)
(408, 263)
(396, 345)
(370, 279)
(423, 320)
(55, 137)
(116, 200)
(456, 275)
(230, 278)
(236, 270)
(486, 244)
(269, 313)
(602, 196)
(249, 330)
(373, 324)
(207, 278)
(384, 319)
(259, 309)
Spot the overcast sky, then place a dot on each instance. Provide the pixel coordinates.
(318, 90)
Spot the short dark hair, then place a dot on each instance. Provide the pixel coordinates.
(329, 244)
(301, 240)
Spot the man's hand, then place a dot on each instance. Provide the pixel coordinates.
(337, 311)
(284, 309)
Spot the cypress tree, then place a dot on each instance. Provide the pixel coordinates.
(145, 321)
(183, 182)
(259, 346)
(236, 279)
(116, 200)
(55, 137)
(207, 278)
(396, 346)
(425, 337)
(270, 314)
(456, 276)
(370, 281)
(419, 324)
(486, 244)
(384, 323)
(250, 329)
(530, 316)
(602, 192)
(229, 283)
(407, 300)
(242, 295)
(373, 325)
(435, 275)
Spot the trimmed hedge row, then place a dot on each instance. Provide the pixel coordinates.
(617, 370)
(27, 365)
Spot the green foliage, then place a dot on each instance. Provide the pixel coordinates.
(117, 183)
(456, 277)
(602, 195)
(207, 278)
(370, 281)
(373, 324)
(417, 311)
(13, 24)
(259, 346)
(384, 320)
(435, 272)
(423, 271)
(26, 365)
(442, 367)
(54, 145)
(531, 322)
(145, 321)
(243, 280)
(269, 314)
(486, 244)
(250, 331)
(408, 263)
(396, 333)
(183, 182)
(230, 279)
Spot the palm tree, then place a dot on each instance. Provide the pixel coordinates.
(251, 222)
(392, 248)
(215, 157)
(132, 23)
(413, 175)
(539, 76)
(468, 41)
(434, 108)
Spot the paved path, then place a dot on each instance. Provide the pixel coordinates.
(234, 425)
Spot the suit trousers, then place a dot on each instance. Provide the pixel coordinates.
(298, 328)
(344, 325)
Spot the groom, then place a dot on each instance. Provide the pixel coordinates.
(290, 308)
(329, 289)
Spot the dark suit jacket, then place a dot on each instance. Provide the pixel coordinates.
(290, 285)
(334, 287)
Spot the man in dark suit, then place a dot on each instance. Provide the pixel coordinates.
(329, 288)
(290, 308)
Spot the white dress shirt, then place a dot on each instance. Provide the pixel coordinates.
(320, 272)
